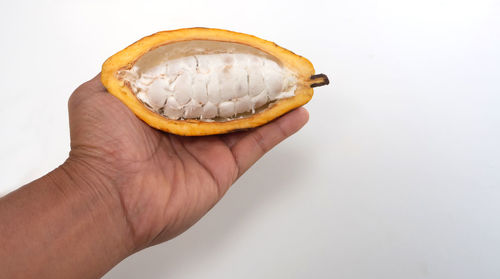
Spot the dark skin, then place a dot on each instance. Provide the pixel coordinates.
(125, 186)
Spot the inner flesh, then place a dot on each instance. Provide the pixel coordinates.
(208, 80)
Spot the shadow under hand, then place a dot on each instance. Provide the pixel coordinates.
(269, 178)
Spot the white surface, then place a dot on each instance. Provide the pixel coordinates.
(395, 176)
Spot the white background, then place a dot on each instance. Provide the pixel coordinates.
(397, 174)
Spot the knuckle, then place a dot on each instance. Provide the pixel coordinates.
(260, 141)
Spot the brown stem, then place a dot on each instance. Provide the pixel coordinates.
(322, 79)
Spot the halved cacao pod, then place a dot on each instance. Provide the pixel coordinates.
(201, 81)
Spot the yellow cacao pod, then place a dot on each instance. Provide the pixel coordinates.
(201, 81)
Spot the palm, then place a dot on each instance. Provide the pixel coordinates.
(166, 182)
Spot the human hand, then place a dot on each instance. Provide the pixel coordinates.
(165, 182)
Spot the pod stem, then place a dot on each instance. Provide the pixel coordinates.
(319, 80)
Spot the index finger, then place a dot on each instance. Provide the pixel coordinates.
(247, 148)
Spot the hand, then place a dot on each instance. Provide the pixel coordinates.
(165, 182)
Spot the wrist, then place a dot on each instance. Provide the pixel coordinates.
(96, 188)
(68, 223)
(119, 180)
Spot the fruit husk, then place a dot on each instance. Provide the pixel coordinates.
(126, 58)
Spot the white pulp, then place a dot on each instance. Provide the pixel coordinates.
(207, 84)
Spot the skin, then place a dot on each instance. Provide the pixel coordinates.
(124, 187)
